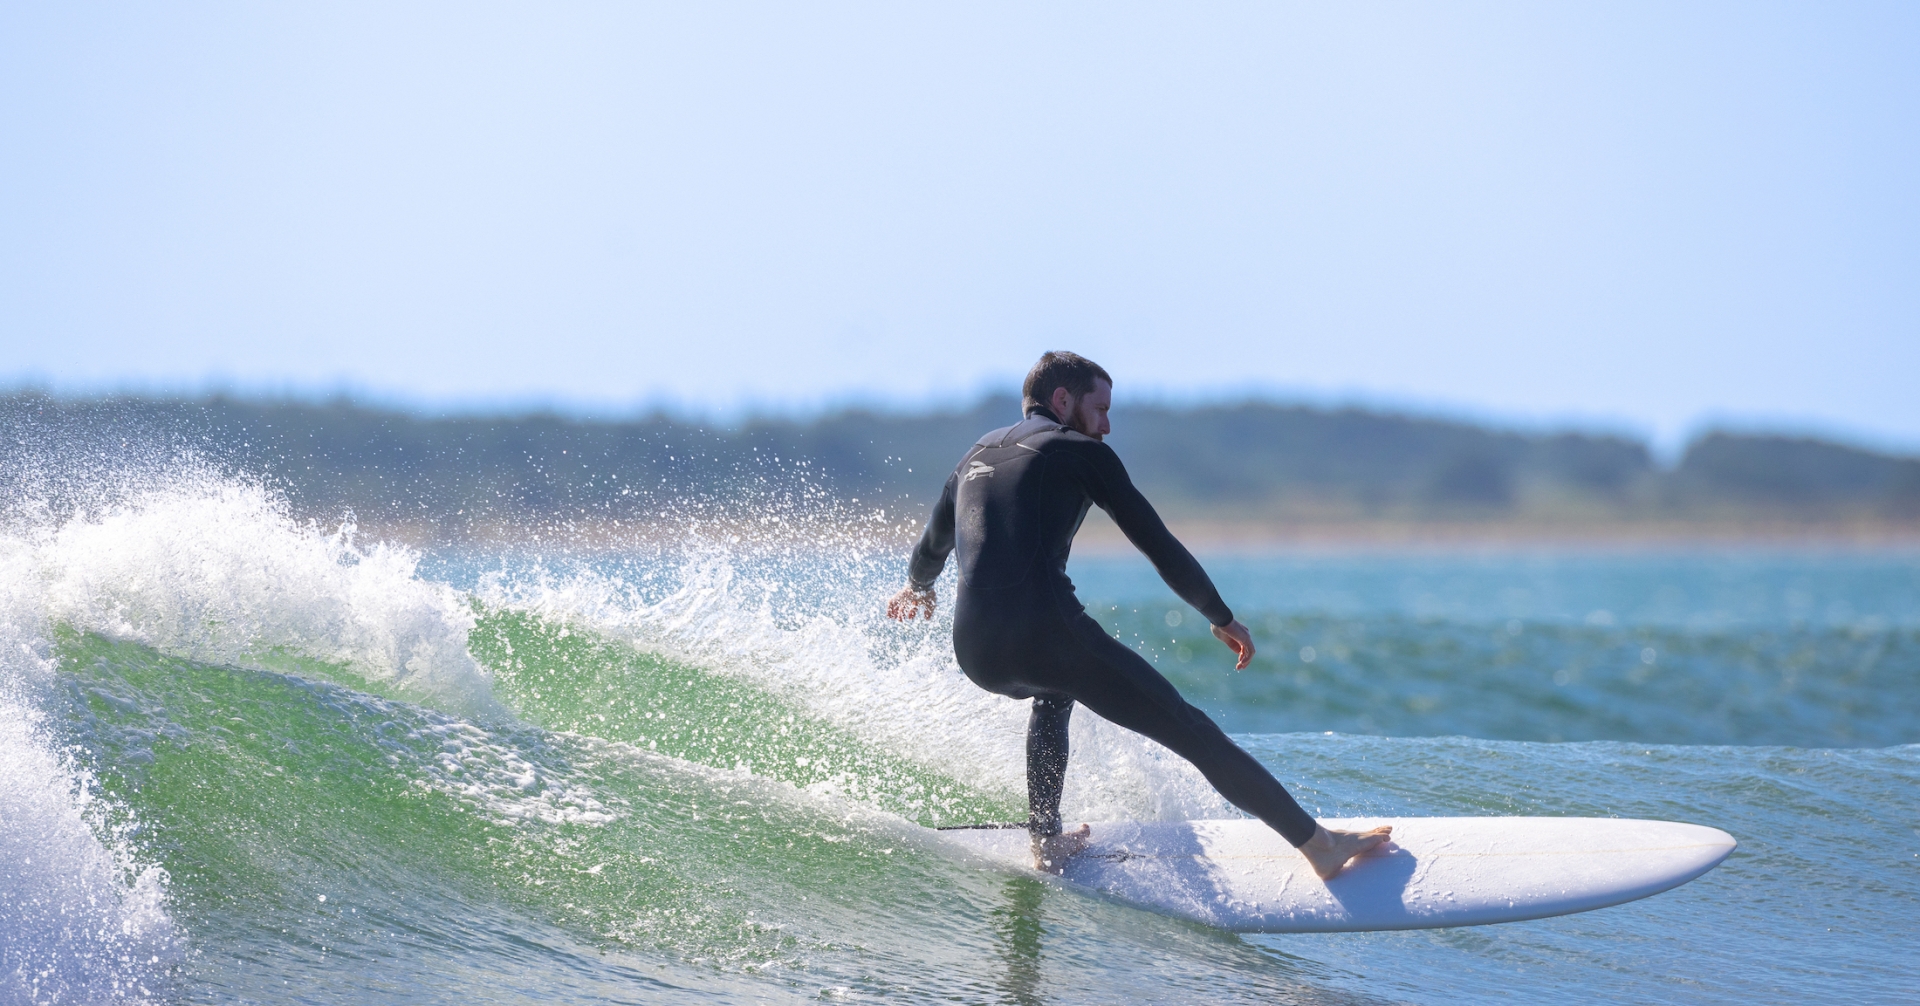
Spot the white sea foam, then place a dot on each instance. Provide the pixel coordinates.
(807, 622)
(81, 920)
(499, 779)
(216, 571)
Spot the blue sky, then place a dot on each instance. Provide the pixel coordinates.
(1648, 216)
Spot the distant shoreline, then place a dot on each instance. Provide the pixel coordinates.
(1235, 476)
(1099, 537)
(1213, 535)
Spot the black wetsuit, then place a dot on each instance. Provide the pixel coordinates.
(1011, 508)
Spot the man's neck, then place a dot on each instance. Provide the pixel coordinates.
(1041, 410)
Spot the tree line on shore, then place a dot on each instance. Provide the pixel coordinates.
(1248, 461)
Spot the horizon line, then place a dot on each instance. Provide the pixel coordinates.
(751, 409)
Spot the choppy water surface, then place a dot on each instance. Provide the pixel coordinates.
(1811, 649)
(245, 760)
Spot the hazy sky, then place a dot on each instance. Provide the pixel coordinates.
(1642, 215)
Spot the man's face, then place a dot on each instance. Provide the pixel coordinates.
(1089, 412)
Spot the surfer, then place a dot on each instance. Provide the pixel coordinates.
(1011, 509)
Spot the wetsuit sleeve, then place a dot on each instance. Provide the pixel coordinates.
(936, 542)
(1111, 489)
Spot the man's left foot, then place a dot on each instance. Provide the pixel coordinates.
(1050, 855)
(1329, 851)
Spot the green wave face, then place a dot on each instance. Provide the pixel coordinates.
(287, 805)
(563, 677)
(307, 826)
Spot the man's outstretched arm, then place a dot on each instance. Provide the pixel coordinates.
(929, 558)
(1113, 490)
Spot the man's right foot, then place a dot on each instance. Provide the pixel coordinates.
(1050, 854)
(1329, 851)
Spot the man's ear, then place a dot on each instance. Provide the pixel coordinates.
(1061, 402)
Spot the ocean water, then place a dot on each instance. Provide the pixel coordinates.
(247, 759)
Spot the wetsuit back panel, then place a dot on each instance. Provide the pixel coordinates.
(1000, 492)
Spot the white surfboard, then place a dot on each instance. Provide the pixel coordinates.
(1437, 871)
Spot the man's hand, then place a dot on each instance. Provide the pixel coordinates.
(903, 606)
(1235, 635)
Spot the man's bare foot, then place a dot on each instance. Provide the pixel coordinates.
(1051, 854)
(1329, 851)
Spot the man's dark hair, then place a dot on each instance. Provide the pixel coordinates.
(1059, 369)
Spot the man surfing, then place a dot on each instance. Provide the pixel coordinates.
(1011, 509)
